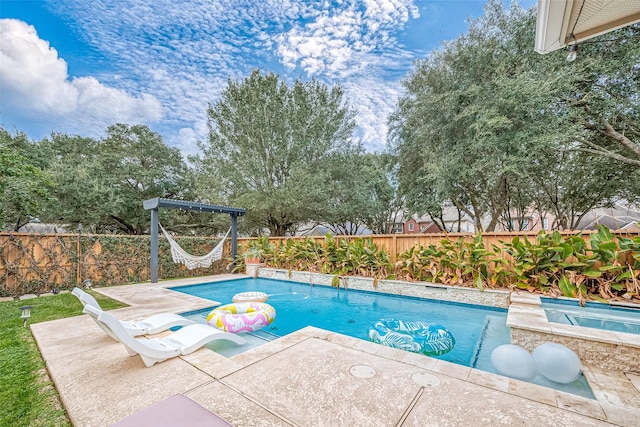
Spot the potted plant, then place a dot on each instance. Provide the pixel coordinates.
(253, 256)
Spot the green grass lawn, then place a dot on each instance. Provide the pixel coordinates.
(27, 394)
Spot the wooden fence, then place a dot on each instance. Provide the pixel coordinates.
(398, 243)
(36, 263)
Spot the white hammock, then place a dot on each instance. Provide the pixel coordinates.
(180, 256)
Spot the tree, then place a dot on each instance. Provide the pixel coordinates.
(604, 103)
(361, 194)
(605, 100)
(269, 147)
(102, 183)
(385, 202)
(24, 187)
(479, 117)
(142, 167)
(569, 184)
(84, 193)
(465, 114)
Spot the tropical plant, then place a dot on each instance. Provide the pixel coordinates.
(605, 268)
(252, 255)
(608, 272)
(456, 263)
(340, 258)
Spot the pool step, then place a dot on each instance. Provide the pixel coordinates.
(229, 349)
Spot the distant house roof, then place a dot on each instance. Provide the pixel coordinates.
(612, 223)
(563, 22)
(321, 230)
(449, 214)
(618, 217)
(429, 227)
(40, 228)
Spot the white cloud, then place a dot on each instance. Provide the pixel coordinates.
(375, 100)
(35, 83)
(182, 53)
(188, 139)
(335, 38)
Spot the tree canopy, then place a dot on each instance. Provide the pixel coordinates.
(71, 180)
(490, 126)
(270, 145)
(485, 125)
(362, 195)
(23, 184)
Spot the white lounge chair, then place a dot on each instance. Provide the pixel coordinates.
(151, 325)
(182, 342)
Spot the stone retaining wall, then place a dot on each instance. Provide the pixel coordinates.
(416, 289)
(603, 355)
(607, 350)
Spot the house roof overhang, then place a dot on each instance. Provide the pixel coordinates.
(557, 20)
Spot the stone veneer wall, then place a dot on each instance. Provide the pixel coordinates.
(415, 289)
(252, 269)
(606, 356)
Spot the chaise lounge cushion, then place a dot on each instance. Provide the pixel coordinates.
(175, 411)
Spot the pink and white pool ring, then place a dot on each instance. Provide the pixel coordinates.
(242, 316)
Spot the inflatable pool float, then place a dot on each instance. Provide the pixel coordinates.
(242, 316)
(419, 337)
(250, 297)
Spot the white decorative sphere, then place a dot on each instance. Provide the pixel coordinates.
(557, 363)
(514, 361)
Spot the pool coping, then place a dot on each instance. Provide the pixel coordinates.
(74, 347)
(526, 312)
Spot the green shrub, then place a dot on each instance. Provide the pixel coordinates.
(604, 268)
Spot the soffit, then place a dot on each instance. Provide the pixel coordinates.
(558, 19)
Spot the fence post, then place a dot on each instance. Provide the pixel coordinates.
(394, 241)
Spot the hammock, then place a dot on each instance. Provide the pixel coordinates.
(180, 256)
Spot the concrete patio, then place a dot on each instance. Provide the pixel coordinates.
(309, 378)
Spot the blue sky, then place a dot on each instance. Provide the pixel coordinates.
(75, 66)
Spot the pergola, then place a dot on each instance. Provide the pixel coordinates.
(155, 204)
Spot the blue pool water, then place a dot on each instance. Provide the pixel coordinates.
(593, 315)
(478, 330)
(351, 312)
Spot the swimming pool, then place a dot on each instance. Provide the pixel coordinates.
(593, 315)
(478, 330)
(351, 312)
